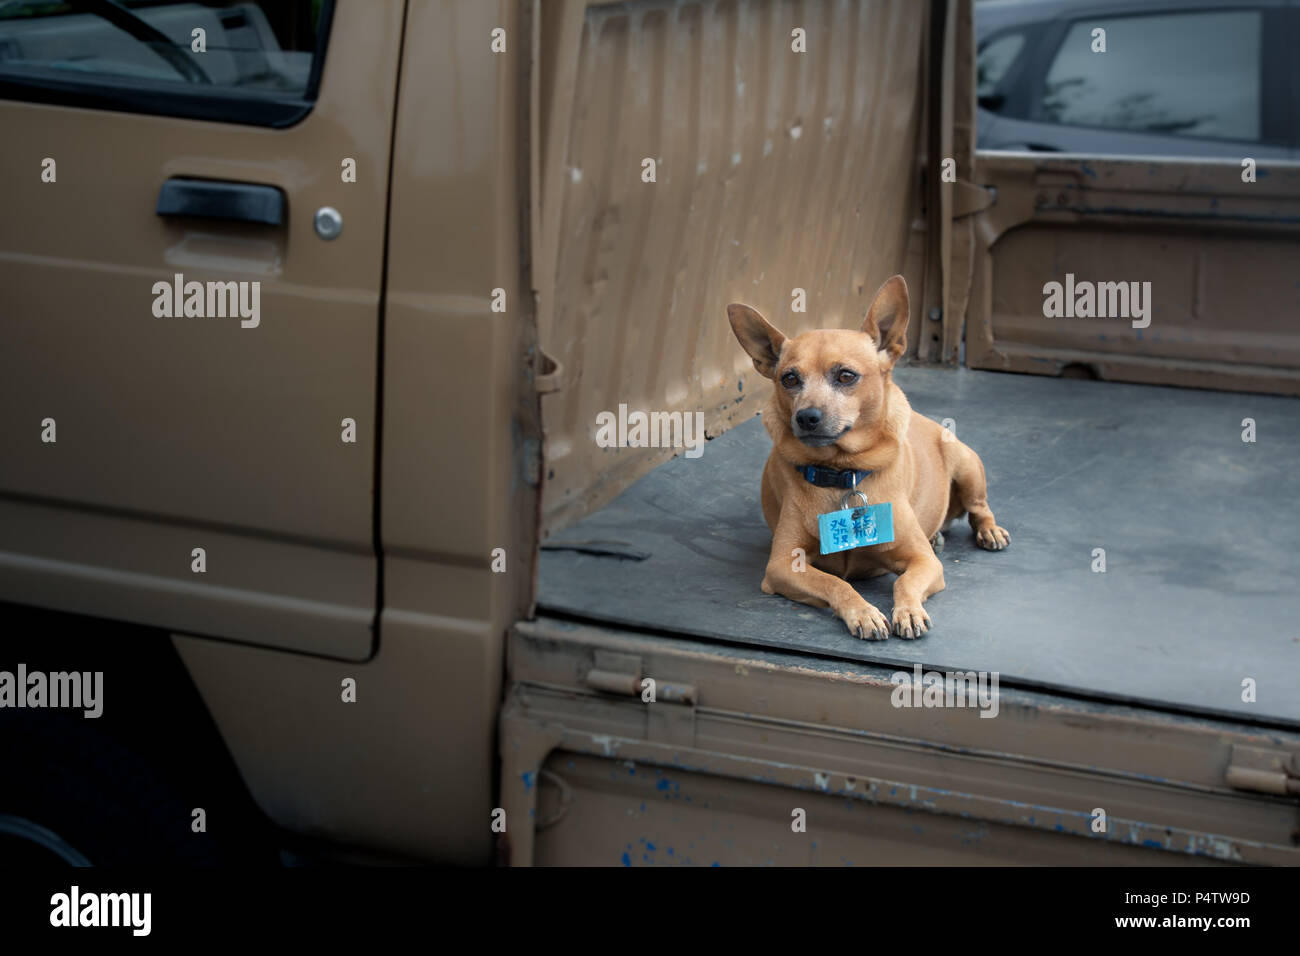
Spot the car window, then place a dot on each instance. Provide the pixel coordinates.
(1184, 74)
(238, 60)
(995, 58)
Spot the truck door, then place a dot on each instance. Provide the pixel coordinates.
(191, 251)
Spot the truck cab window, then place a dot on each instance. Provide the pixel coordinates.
(256, 62)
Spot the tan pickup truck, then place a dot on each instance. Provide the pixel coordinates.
(327, 331)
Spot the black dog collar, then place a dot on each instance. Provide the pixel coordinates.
(824, 477)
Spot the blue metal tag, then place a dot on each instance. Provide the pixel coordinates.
(856, 527)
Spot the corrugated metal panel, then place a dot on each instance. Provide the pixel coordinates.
(775, 170)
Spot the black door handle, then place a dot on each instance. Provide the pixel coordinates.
(216, 199)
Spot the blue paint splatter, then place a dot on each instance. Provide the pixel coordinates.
(528, 780)
(627, 860)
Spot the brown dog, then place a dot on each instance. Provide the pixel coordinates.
(835, 407)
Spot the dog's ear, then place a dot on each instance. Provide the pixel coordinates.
(886, 321)
(757, 336)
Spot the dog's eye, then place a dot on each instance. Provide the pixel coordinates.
(846, 377)
(790, 380)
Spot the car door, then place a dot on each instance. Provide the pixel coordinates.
(191, 252)
(1154, 79)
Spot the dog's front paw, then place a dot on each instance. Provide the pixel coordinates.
(866, 622)
(993, 539)
(911, 622)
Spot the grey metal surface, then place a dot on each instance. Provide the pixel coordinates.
(1198, 527)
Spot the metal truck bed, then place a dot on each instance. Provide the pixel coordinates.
(1197, 525)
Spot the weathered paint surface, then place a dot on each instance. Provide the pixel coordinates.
(1219, 255)
(774, 170)
(772, 733)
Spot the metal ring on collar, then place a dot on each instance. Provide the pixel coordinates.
(849, 495)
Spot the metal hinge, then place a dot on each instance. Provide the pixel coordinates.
(1264, 771)
(968, 199)
(548, 376)
(671, 713)
(615, 673)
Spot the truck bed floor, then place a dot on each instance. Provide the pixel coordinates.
(1198, 527)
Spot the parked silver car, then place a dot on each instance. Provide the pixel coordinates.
(1149, 78)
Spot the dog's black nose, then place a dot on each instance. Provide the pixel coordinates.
(809, 418)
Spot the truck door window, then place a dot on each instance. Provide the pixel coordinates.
(242, 61)
(1183, 74)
